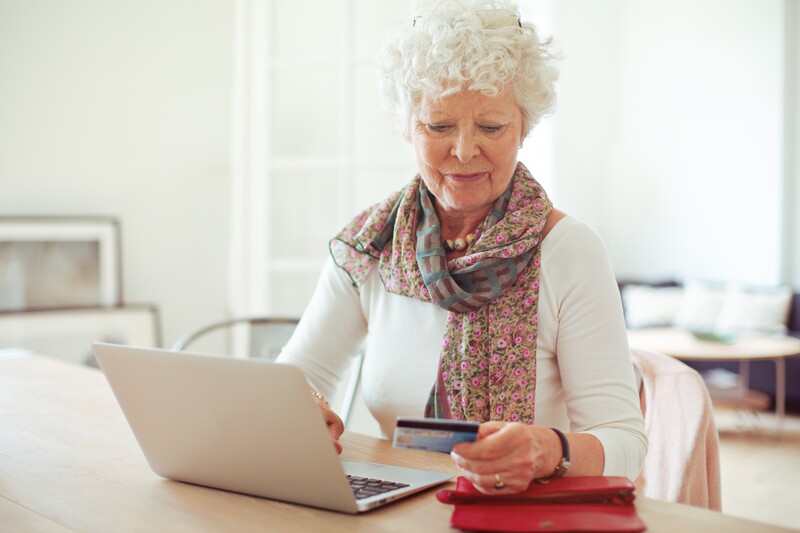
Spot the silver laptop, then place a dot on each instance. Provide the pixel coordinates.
(243, 425)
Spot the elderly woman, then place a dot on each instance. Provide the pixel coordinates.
(471, 297)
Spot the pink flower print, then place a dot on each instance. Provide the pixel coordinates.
(506, 330)
(499, 238)
(529, 337)
(516, 396)
(457, 385)
(511, 358)
(473, 349)
(526, 201)
(378, 226)
(535, 285)
(520, 326)
(459, 326)
(537, 262)
(395, 254)
(526, 354)
(464, 365)
(463, 402)
(517, 340)
(502, 396)
(514, 417)
(499, 410)
(518, 371)
(472, 315)
(479, 404)
(449, 318)
(505, 313)
(505, 253)
(384, 216)
(495, 358)
(452, 367)
(528, 302)
(477, 333)
(409, 254)
(519, 294)
(446, 343)
(520, 247)
(456, 416)
(501, 343)
(530, 421)
(512, 206)
(537, 205)
(529, 396)
(483, 365)
(536, 318)
(476, 382)
(523, 382)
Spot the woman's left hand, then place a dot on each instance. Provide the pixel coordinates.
(509, 455)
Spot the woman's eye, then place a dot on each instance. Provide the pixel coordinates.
(437, 128)
(491, 128)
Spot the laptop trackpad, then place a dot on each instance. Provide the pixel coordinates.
(411, 476)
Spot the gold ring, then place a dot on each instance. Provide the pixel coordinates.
(498, 482)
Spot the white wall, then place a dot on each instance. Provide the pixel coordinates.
(669, 134)
(122, 108)
(792, 128)
(670, 119)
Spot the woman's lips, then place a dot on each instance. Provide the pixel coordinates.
(467, 177)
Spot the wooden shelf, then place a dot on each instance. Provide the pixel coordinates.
(736, 398)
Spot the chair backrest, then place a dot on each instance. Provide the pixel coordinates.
(265, 337)
(682, 463)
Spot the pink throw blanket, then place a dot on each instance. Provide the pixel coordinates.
(682, 463)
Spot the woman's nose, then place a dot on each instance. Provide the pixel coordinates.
(465, 147)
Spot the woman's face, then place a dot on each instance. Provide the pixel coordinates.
(466, 147)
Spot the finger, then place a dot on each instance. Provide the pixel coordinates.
(497, 482)
(488, 428)
(484, 430)
(479, 467)
(500, 442)
(334, 424)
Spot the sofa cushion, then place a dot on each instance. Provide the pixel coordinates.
(755, 309)
(700, 307)
(648, 307)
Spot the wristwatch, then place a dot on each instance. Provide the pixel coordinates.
(563, 465)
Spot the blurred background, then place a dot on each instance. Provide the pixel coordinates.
(231, 139)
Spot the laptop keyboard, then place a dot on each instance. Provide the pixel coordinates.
(364, 487)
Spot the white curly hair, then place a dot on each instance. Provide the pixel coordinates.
(475, 45)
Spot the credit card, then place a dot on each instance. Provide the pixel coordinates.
(434, 434)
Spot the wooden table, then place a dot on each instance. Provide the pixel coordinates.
(69, 462)
(746, 348)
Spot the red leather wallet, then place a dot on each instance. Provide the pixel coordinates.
(588, 503)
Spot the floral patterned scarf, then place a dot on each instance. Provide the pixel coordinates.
(487, 364)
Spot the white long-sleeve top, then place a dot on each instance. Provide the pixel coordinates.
(585, 378)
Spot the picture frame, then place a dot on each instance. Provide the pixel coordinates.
(68, 334)
(59, 262)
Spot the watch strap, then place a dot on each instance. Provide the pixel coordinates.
(563, 465)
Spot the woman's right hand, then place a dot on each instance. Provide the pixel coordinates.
(334, 423)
